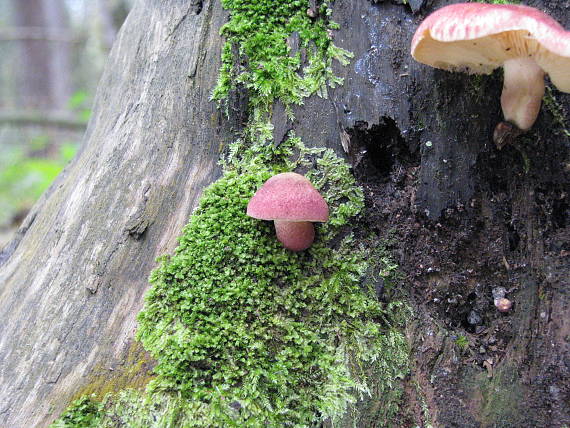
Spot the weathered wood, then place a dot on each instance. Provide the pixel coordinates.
(72, 282)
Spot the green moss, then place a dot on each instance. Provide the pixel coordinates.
(556, 111)
(381, 407)
(258, 54)
(85, 412)
(134, 373)
(462, 342)
(499, 396)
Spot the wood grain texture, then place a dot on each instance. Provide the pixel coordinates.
(72, 282)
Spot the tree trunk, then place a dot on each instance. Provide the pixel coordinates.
(467, 218)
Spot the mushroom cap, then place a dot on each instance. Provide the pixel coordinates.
(288, 196)
(478, 38)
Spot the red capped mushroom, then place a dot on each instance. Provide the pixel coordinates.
(477, 38)
(291, 201)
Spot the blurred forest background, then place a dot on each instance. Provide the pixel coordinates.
(52, 53)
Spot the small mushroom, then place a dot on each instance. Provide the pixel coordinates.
(477, 38)
(291, 201)
(311, 13)
(503, 304)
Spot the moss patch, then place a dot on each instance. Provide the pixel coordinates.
(277, 52)
(85, 412)
(556, 111)
(499, 397)
(135, 372)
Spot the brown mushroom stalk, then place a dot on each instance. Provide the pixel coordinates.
(295, 235)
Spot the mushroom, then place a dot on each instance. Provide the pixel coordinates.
(503, 304)
(477, 38)
(291, 201)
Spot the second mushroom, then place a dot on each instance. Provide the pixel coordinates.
(478, 38)
(291, 201)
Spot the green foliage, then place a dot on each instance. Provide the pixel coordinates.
(258, 54)
(462, 342)
(82, 413)
(67, 151)
(79, 102)
(24, 178)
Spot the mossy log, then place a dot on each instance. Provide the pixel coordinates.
(467, 217)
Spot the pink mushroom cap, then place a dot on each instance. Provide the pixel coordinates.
(478, 38)
(288, 196)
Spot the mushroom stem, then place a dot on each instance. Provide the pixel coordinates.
(523, 89)
(295, 235)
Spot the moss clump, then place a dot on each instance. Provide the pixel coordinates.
(258, 333)
(134, 372)
(258, 53)
(85, 412)
(556, 111)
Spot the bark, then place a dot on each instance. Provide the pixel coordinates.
(467, 218)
